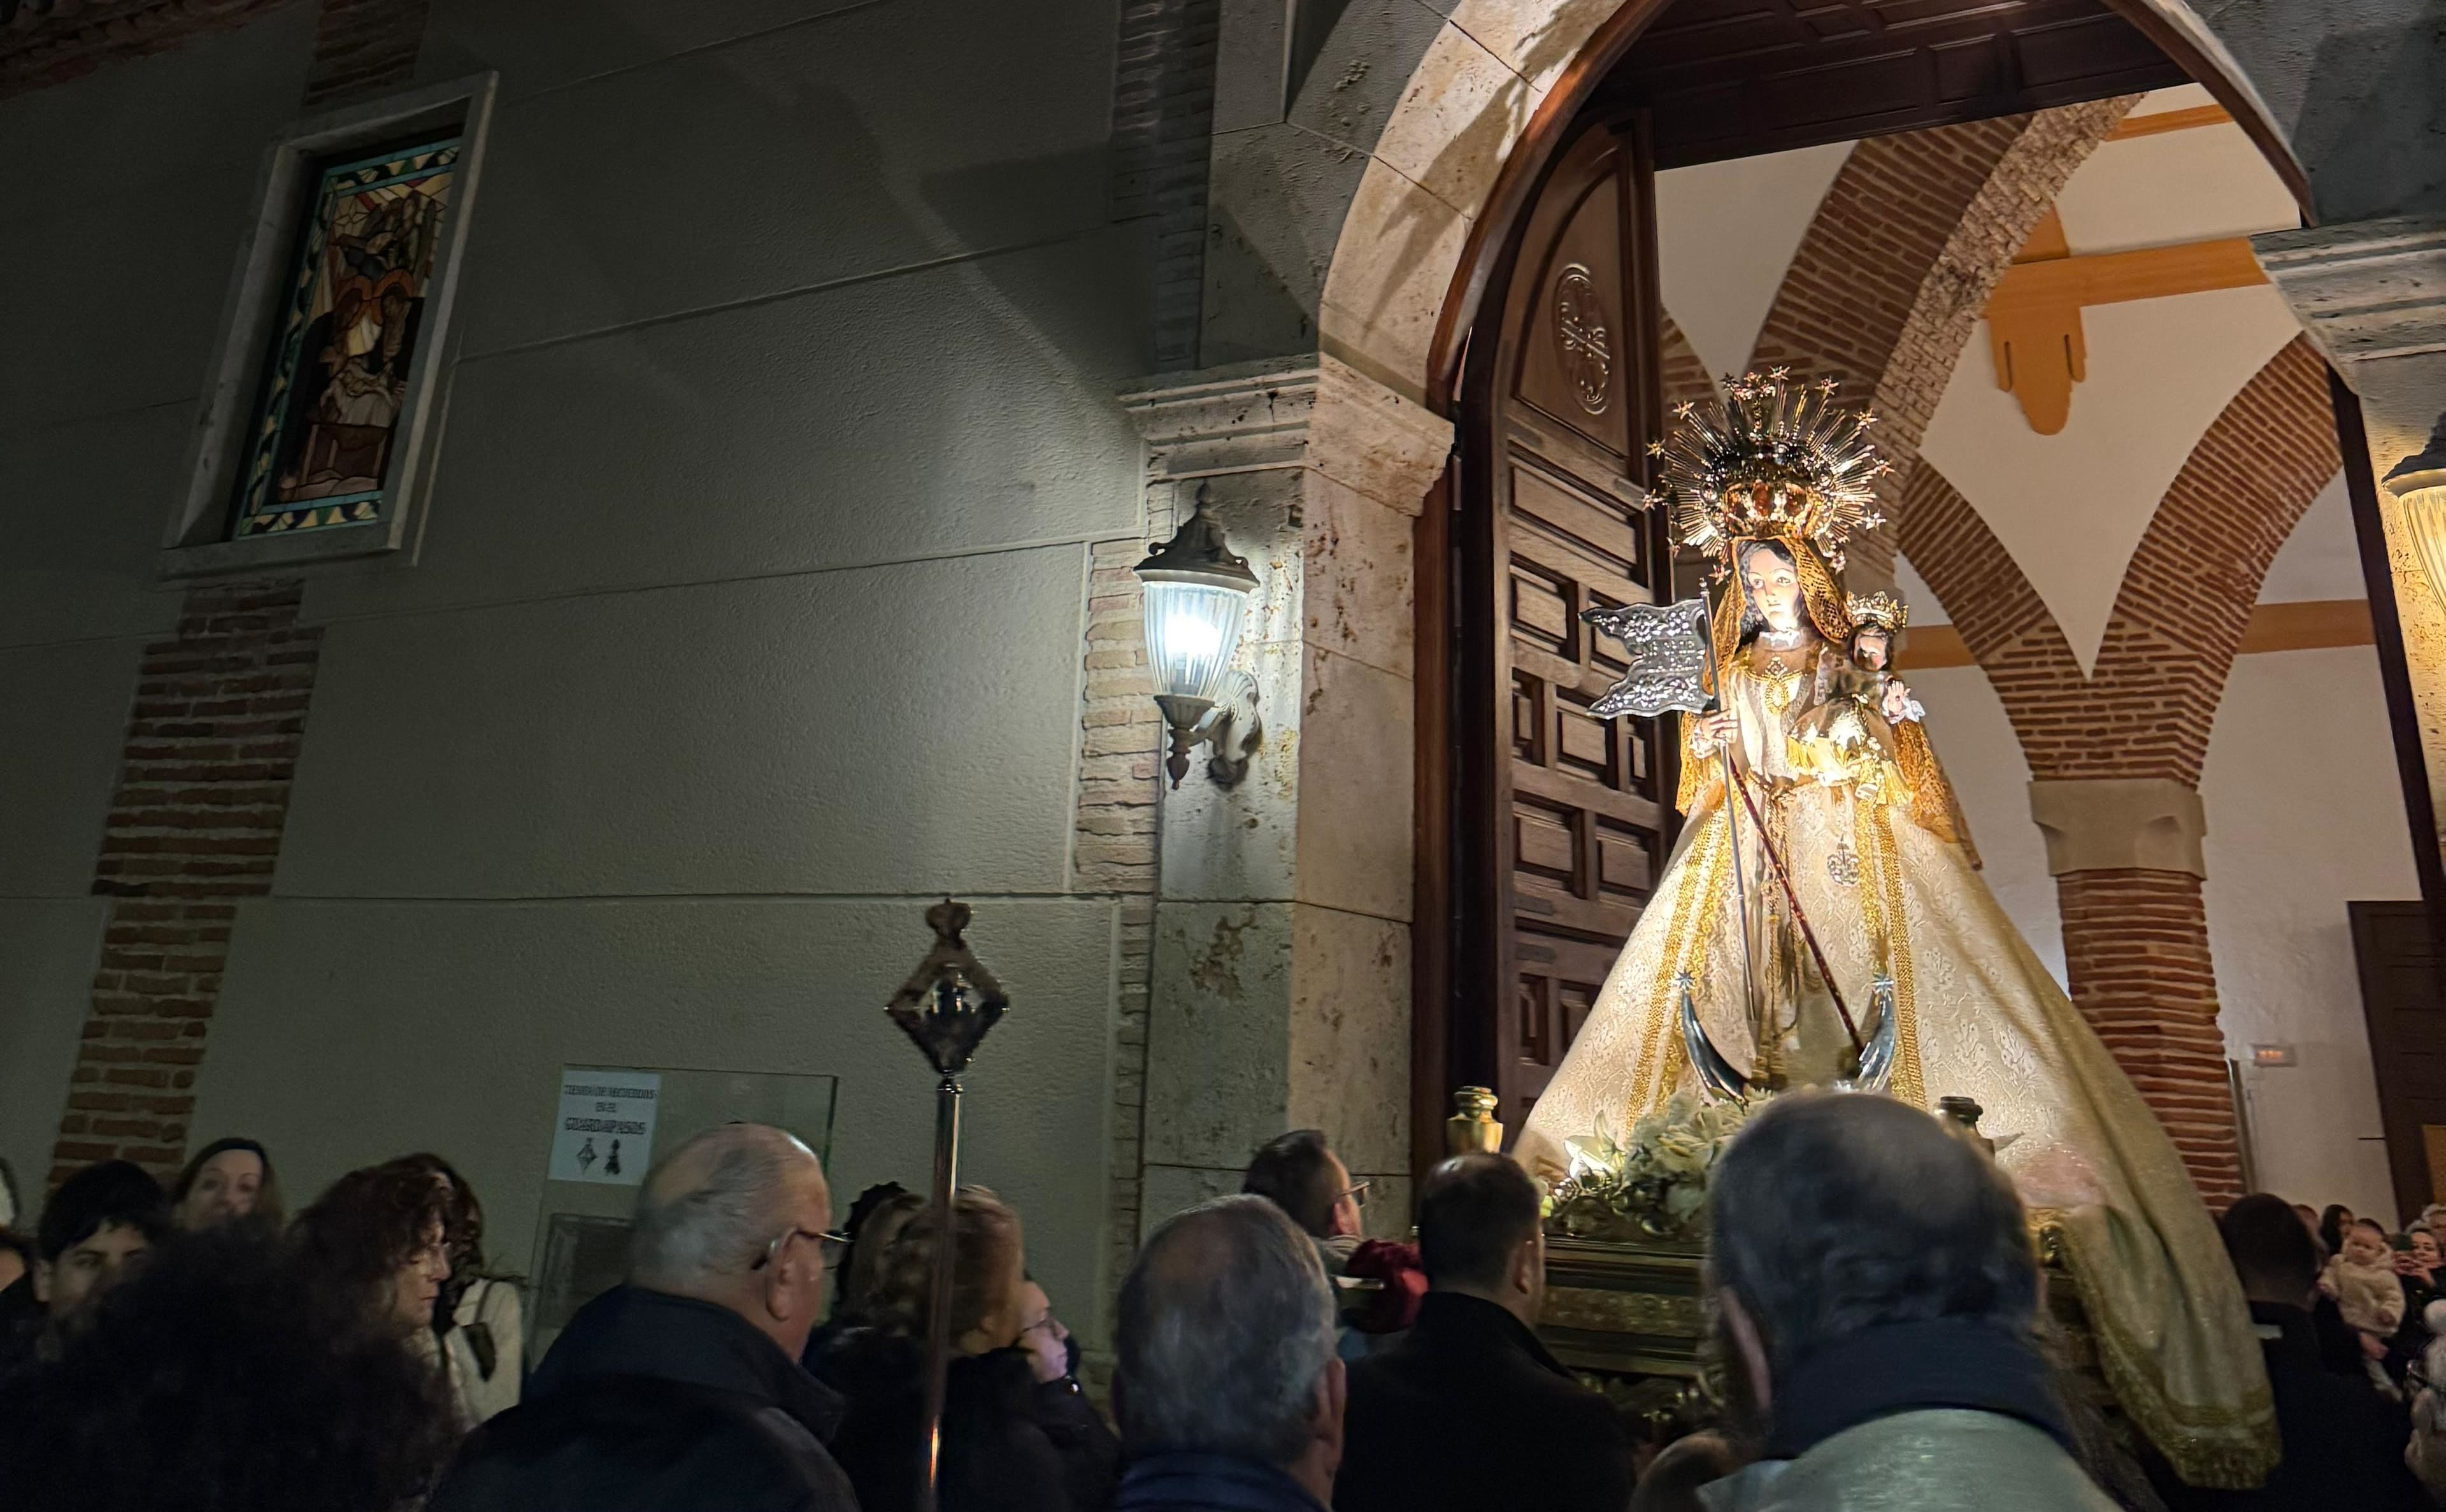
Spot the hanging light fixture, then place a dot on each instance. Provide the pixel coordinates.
(1196, 593)
(2418, 482)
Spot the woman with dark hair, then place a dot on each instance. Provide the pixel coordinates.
(478, 1329)
(1018, 1433)
(223, 1378)
(379, 1242)
(227, 1180)
(2333, 1225)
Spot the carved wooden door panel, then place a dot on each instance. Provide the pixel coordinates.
(1579, 808)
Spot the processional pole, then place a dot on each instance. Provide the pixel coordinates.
(1705, 628)
(945, 1006)
(1735, 788)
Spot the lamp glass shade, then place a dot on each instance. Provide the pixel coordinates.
(1191, 629)
(2424, 520)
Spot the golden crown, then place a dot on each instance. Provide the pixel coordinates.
(1884, 610)
(1780, 461)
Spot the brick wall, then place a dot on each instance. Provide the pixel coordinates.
(362, 47)
(55, 41)
(1163, 109)
(195, 826)
(1684, 375)
(1113, 846)
(2135, 942)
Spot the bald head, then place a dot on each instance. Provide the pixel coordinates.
(722, 1219)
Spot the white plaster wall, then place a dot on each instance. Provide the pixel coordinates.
(745, 617)
(2176, 186)
(2303, 816)
(2321, 559)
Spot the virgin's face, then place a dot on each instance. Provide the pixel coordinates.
(1774, 587)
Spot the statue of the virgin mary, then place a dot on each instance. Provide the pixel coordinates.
(1822, 901)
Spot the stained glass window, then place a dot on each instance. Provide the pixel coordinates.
(346, 341)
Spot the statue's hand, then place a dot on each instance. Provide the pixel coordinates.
(1899, 706)
(1716, 728)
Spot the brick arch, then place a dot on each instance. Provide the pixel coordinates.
(2230, 511)
(1889, 282)
(1999, 617)
(2136, 940)
(1682, 376)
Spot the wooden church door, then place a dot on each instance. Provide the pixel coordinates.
(1563, 822)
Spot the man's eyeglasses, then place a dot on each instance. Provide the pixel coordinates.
(834, 1242)
(1357, 1192)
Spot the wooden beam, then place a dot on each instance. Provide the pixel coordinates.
(2310, 625)
(2144, 272)
(2034, 326)
(2164, 120)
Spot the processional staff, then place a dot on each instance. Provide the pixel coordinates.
(946, 1007)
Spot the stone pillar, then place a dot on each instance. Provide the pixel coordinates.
(2372, 295)
(2125, 854)
(1281, 974)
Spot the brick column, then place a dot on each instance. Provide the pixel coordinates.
(1113, 851)
(2126, 856)
(2137, 950)
(195, 826)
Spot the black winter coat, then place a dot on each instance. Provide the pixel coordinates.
(653, 1403)
(2343, 1442)
(1467, 1412)
(1010, 1443)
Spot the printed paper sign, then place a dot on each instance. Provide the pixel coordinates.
(605, 1130)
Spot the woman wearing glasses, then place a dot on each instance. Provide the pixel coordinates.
(1018, 1433)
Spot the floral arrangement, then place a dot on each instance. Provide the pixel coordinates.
(1650, 1183)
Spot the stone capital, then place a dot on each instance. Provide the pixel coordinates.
(2120, 824)
(2366, 291)
(1313, 412)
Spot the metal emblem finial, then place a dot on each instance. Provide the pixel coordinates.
(951, 1000)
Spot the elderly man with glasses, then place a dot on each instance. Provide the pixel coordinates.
(681, 1389)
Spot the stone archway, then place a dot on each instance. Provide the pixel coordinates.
(1282, 953)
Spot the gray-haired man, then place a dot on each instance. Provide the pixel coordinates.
(1228, 1393)
(681, 1390)
(1877, 1289)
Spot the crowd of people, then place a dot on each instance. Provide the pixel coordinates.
(1876, 1306)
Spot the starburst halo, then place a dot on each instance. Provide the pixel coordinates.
(1779, 459)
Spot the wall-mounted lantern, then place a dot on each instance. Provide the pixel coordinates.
(2419, 483)
(1197, 592)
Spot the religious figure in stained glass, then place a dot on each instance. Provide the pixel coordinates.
(319, 451)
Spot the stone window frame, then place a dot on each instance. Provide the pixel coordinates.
(196, 542)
